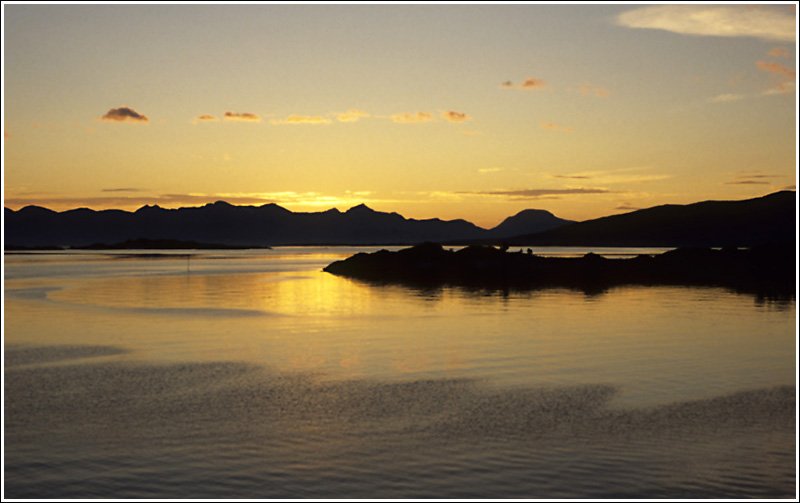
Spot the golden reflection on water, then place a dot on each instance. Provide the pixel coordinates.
(652, 342)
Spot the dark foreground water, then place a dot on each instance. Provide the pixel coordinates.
(252, 374)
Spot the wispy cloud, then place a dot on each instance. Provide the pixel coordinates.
(452, 116)
(242, 117)
(412, 118)
(781, 88)
(205, 118)
(123, 189)
(615, 176)
(726, 98)
(529, 84)
(590, 90)
(124, 114)
(779, 52)
(352, 115)
(776, 68)
(314, 120)
(784, 75)
(747, 182)
(752, 179)
(493, 169)
(550, 126)
(538, 193)
(572, 177)
(714, 20)
(627, 207)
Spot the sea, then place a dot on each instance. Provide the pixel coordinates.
(254, 374)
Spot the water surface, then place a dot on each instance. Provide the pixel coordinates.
(254, 374)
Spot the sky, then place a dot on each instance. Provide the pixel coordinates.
(451, 111)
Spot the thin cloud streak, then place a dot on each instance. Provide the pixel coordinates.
(352, 115)
(123, 189)
(726, 98)
(412, 118)
(538, 193)
(242, 117)
(302, 119)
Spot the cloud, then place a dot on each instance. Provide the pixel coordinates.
(714, 20)
(549, 126)
(776, 68)
(781, 88)
(747, 182)
(205, 118)
(589, 90)
(452, 116)
(752, 179)
(412, 118)
(124, 114)
(538, 193)
(616, 176)
(573, 177)
(785, 76)
(484, 171)
(302, 119)
(779, 52)
(726, 98)
(242, 117)
(123, 189)
(627, 207)
(351, 115)
(529, 84)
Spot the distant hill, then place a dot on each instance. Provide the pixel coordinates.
(525, 222)
(767, 219)
(231, 225)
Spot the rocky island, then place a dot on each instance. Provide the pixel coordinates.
(767, 270)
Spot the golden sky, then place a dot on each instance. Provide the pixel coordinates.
(450, 111)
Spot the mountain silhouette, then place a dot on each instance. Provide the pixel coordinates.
(712, 223)
(767, 219)
(230, 225)
(524, 221)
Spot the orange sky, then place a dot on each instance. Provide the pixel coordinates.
(464, 111)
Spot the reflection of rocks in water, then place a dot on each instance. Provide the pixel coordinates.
(233, 429)
(766, 271)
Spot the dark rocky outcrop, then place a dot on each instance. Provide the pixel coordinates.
(765, 269)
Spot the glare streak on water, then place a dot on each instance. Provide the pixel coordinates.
(254, 374)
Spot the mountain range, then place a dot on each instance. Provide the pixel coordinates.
(712, 223)
(266, 225)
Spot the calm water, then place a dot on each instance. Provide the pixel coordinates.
(254, 374)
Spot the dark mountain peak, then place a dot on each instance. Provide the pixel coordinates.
(361, 208)
(528, 221)
(219, 205)
(533, 212)
(31, 209)
(79, 211)
(274, 207)
(149, 209)
(332, 211)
